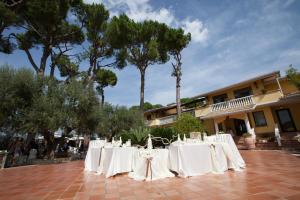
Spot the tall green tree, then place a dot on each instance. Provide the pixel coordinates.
(293, 76)
(140, 43)
(7, 19)
(17, 91)
(81, 107)
(46, 25)
(100, 54)
(105, 78)
(46, 114)
(176, 41)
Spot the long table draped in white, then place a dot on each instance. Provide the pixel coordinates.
(93, 155)
(189, 158)
(193, 159)
(115, 160)
(151, 165)
(227, 138)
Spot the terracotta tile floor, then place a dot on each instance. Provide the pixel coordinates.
(269, 175)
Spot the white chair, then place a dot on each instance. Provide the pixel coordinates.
(195, 135)
(151, 165)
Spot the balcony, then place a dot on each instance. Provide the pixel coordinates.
(168, 119)
(161, 121)
(240, 103)
(237, 105)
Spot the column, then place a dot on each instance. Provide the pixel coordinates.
(249, 129)
(216, 127)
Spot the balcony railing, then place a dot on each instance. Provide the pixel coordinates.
(234, 103)
(167, 120)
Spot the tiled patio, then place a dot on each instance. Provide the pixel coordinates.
(269, 175)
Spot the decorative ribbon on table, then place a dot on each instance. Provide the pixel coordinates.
(149, 166)
(215, 163)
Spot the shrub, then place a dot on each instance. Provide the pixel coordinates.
(163, 133)
(187, 123)
(138, 136)
(116, 119)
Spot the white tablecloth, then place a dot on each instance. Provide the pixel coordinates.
(151, 165)
(92, 159)
(193, 159)
(227, 138)
(115, 160)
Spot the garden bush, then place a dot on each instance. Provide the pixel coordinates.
(138, 136)
(187, 123)
(163, 133)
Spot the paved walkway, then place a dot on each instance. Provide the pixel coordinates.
(269, 175)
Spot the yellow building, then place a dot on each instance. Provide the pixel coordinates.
(255, 106)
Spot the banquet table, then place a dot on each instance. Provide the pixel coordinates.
(227, 138)
(193, 159)
(92, 159)
(115, 160)
(150, 164)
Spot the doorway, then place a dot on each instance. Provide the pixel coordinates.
(285, 120)
(240, 127)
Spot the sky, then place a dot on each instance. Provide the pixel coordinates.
(231, 41)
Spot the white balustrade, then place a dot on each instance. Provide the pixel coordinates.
(234, 103)
(167, 120)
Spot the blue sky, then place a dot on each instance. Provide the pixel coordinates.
(231, 41)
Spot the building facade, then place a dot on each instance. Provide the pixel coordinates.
(255, 106)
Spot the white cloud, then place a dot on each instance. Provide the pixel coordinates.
(197, 29)
(140, 10)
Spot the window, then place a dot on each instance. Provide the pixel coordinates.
(220, 98)
(244, 92)
(259, 118)
(285, 120)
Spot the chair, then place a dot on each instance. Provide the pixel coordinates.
(195, 135)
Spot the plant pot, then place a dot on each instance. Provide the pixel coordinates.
(249, 143)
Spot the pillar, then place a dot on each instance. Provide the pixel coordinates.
(249, 129)
(216, 126)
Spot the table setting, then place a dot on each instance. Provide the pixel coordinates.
(184, 157)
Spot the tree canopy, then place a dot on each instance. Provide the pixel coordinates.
(293, 76)
(140, 43)
(104, 78)
(44, 25)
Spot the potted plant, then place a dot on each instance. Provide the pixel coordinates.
(249, 141)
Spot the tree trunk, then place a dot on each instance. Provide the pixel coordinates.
(43, 62)
(177, 73)
(178, 103)
(142, 91)
(52, 69)
(102, 98)
(49, 137)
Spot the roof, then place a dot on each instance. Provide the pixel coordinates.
(263, 76)
(274, 73)
(168, 107)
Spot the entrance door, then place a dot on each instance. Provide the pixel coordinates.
(240, 127)
(285, 120)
